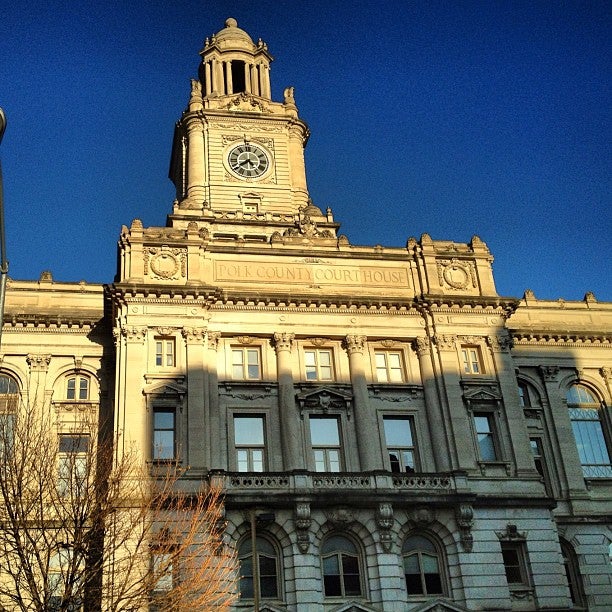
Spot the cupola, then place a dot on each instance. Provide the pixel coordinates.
(232, 63)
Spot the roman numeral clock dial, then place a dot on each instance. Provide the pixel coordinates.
(248, 160)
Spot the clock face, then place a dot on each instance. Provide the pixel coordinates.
(248, 160)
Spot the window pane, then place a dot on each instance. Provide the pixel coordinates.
(83, 388)
(309, 358)
(257, 460)
(248, 430)
(394, 459)
(331, 565)
(163, 445)
(433, 584)
(332, 586)
(379, 359)
(325, 358)
(163, 419)
(324, 432)
(430, 564)
(319, 457)
(408, 460)
(334, 460)
(246, 587)
(397, 432)
(242, 460)
(71, 390)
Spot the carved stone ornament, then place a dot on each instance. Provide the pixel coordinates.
(464, 515)
(134, 334)
(166, 331)
(324, 400)
(549, 373)
(340, 517)
(213, 338)
(423, 516)
(606, 373)
(194, 335)
(283, 341)
(302, 524)
(318, 341)
(245, 339)
(165, 263)
(500, 344)
(384, 520)
(445, 342)
(38, 363)
(511, 534)
(388, 343)
(456, 273)
(246, 102)
(421, 345)
(355, 344)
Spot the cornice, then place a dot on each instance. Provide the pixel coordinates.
(468, 304)
(555, 338)
(51, 322)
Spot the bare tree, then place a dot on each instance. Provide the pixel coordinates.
(83, 525)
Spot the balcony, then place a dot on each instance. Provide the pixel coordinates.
(247, 486)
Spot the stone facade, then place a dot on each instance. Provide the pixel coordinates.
(399, 436)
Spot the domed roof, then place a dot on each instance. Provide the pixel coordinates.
(231, 36)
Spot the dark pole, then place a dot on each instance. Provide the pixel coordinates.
(3, 262)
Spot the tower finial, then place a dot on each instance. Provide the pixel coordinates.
(230, 22)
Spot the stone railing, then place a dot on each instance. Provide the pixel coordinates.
(314, 482)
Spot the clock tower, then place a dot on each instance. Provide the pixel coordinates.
(238, 157)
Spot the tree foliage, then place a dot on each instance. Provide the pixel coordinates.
(84, 524)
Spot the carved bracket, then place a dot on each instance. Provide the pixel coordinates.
(302, 525)
(384, 520)
(464, 515)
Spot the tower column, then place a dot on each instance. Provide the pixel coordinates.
(255, 79)
(208, 78)
(265, 82)
(196, 169)
(370, 453)
(229, 88)
(247, 77)
(289, 422)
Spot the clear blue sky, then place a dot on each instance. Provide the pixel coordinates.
(452, 118)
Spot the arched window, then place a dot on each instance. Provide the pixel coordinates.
(584, 413)
(572, 572)
(341, 568)
(77, 387)
(267, 559)
(422, 566)
(528, 396)
(9, 398)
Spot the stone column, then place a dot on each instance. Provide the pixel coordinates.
(265, 82)
(197, 452)
(196, 171)
(288, 415)
(208, 77)
(217, 433)
(366, 425)
(247, 77)
(570, 471)
(435, 418)
(255, 79)
(132, 418)
(519, 437)
(229, 87)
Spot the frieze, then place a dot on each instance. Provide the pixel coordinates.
(251, 271)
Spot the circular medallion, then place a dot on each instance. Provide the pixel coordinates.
(248, 160)
(164, 264)
(456, 276)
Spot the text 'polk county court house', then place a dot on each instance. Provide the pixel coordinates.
(399, 435)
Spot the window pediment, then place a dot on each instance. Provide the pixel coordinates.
(439, 605)
(353, 606)
(481, 393)
(324, 399)
(165, 389)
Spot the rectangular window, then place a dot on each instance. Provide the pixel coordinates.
(513, 554)
(246, 364)
(73, 464)
(163, 572)
(389, 366)
(484, 427)
(318, 364)
(471, 360)
(400, 443)
(591, 442)
(164, 434)
(164, 352)
(249, 440)
(325, 438)
(540, 462)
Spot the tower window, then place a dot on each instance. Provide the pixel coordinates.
(238, 80)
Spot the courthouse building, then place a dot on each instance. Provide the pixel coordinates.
(399, 436)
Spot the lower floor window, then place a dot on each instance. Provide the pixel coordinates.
(341, 575)
(266, 558)
(422, 566)
(513, 554)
